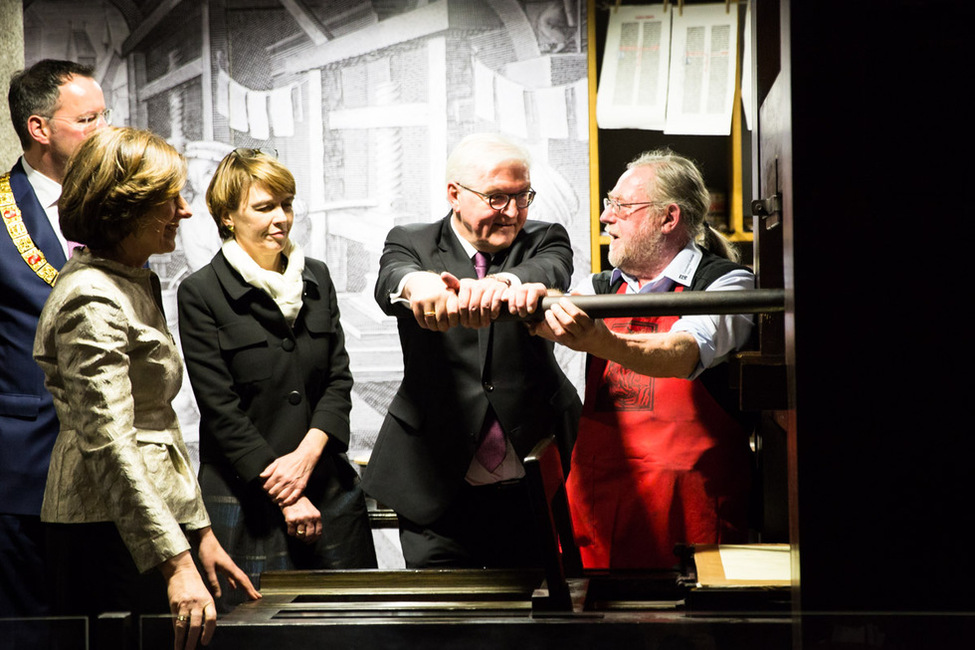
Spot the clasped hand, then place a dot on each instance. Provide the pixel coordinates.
(286, 477)
(285, 480)
(441, 302)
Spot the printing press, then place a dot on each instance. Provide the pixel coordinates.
(558, 606)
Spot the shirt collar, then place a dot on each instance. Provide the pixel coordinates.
(467, 246)
(48, 190)
(680, 271)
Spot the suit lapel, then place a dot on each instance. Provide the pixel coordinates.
(453, 257)
(35, 219)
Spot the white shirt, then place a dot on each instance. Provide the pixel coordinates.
(716, 335)
(48, 191)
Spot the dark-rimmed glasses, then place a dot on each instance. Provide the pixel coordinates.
(499, 200)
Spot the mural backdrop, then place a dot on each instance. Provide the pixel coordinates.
(362, 100)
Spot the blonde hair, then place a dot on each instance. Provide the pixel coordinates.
(233, 178)
(114, 178)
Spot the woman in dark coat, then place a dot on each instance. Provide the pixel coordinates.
(266, 358)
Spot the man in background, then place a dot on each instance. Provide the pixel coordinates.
(54, 106)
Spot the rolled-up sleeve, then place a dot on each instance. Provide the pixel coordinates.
(719, 335)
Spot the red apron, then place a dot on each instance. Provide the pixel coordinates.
(657, 462)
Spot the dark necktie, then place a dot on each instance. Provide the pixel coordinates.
(491, 449)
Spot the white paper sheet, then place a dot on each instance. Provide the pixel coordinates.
(257, 119)
(702, 70)
(281, 111)
(222, 101)
(633, 80)
(756, 562)
(580, 92)
(483, 91)
(511, 108)
(747, 89)
(237, 106)
(553, 118)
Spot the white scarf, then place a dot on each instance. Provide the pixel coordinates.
(284, 288)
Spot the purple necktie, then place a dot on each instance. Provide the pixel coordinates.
(492, 448)
(481, 261)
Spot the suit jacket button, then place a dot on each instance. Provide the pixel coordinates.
(288, 345)
(294, 398)
(488, 386)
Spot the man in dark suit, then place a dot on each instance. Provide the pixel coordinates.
(476, 395)
(54, 106)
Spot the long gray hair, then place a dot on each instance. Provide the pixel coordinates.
(678, 180)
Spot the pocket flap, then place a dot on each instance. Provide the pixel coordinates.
(319, 321)
(404, 411)
(20, 406)
(234, 336)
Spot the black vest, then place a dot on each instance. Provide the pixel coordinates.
(718, 378)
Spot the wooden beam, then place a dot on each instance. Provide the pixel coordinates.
(418, 23)
(142, 29)
(171, 79)
(315, 30)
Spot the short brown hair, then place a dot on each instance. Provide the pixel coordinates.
(117, 175)
(233, 178)
(37, 91)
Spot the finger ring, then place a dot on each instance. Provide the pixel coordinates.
(182, 618)
(429, 313)
(301, 532)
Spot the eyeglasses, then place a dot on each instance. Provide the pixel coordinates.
(610, 202)
(499, 200)
(88, 120)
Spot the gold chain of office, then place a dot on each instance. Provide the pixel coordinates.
(15, 227)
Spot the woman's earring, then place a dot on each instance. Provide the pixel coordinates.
(230, 227)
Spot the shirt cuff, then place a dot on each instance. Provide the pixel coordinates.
(397, 296)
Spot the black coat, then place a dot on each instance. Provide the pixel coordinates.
(261, 383)
(428, 438)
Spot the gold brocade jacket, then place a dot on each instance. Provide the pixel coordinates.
(113, 369)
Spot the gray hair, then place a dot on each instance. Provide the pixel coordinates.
(677, 179)
(471, 153)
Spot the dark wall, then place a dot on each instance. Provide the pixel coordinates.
(879, 237)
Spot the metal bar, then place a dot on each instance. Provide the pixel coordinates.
(753, 301)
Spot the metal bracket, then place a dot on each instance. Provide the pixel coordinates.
(770, 210)
(767, 207)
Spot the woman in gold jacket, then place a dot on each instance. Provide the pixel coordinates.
(122, 500)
